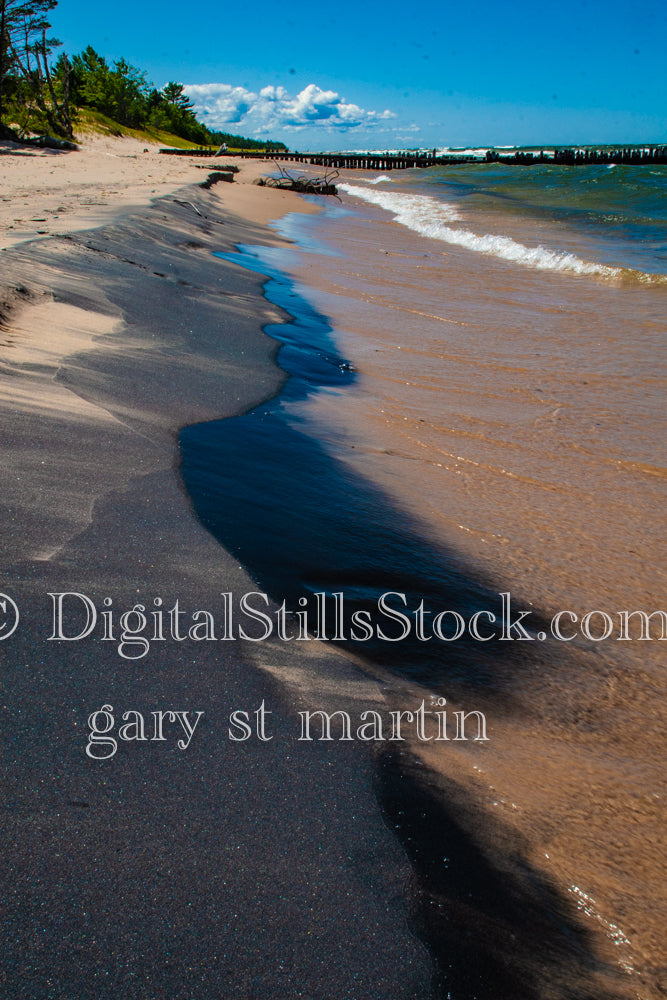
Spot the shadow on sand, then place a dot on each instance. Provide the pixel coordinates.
(301, 524)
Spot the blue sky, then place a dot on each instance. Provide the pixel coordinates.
(386, 75)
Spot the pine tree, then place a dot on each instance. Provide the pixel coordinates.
(25, 74)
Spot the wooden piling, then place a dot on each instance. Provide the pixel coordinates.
(572, 156)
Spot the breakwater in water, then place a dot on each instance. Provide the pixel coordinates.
(570, 156)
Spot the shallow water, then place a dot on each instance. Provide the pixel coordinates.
(503, 430)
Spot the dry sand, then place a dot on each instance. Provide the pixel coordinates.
(46, 192)
(238, 870)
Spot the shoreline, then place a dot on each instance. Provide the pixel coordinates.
(414, 785)
(412, 796)
(559, 716)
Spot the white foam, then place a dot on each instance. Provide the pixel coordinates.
(431, 217)
(382, 179)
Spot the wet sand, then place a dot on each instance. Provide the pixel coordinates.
(515, 419)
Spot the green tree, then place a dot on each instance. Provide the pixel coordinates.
(120, 92)
(179, 112)
(173, 94)
(25, 74)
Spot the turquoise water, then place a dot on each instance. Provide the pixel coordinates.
(612, 215)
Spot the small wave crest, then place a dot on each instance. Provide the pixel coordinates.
(382, 179)
(432, 218)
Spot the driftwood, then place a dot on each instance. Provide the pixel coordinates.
(187, 204)
(302, 184)
(51, 142)
(229, 168)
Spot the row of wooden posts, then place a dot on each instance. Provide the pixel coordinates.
(403, 161)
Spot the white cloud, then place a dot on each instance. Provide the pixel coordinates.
(219, 105)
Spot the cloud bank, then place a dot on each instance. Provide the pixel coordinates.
(219, 105)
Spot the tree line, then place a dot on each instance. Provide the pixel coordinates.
(40, 95)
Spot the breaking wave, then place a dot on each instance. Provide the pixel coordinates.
(433, 218)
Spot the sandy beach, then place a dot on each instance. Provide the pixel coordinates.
(283, 868)
(230, 869)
